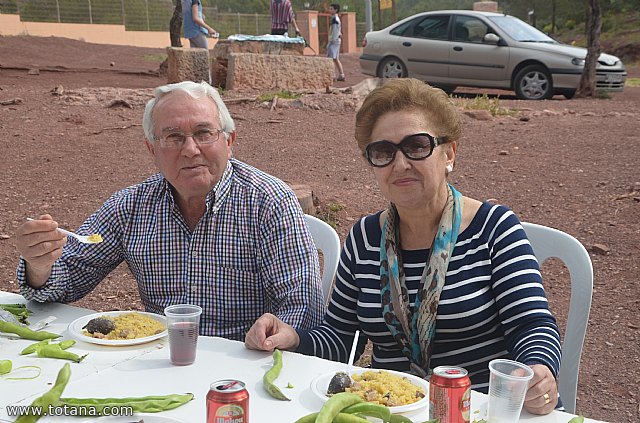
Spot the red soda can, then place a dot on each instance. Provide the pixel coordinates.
(450, 395)
(228, 402)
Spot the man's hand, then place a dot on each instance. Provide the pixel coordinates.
(214, 34)
(298, 33)
(269, 332)
(542, 395)
(40, 244)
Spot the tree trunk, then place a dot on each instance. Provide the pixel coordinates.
(175, 25)
(587, 87)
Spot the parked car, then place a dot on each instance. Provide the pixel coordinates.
(481, 49)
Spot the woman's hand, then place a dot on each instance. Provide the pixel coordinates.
(542, 395)
(269, 332)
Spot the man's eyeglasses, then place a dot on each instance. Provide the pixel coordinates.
(414, 147)
(202, 136)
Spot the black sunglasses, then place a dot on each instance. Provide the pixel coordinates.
(414, 147)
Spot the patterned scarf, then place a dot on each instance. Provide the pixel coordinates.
(414, 332)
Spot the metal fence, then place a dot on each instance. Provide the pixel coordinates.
(135, 15)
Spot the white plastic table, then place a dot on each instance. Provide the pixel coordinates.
(146, 370)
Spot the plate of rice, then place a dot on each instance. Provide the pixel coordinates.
(127, 328)
(401, 392)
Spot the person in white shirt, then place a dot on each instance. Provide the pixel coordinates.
(333, 46)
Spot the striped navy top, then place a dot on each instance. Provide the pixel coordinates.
(492, 305)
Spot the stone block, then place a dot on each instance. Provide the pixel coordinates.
(286, 72)
(486, 6)
(223, 48)
(187, 64)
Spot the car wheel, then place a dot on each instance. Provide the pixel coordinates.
(568, 94)
(392, 67)
(533, 83)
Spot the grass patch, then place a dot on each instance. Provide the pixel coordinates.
(281, 94)
(632, 82)
(160, 57)
(484, 102)
(330, 214)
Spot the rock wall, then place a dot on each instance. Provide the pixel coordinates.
(287, 72)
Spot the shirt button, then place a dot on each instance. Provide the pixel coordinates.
(194, 288)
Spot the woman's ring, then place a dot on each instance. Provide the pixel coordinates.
(547, 400)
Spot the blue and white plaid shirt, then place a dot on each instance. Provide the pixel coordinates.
(251, 253)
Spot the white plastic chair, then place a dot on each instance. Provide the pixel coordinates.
(548, 242)
(327, 241)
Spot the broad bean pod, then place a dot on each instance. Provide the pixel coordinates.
(34, 347)
(50, 398)
(26, 333)
(271, 375)
(56, 351)
(349, 418)
(336, 404)
(369, 409)
(5, 366)
(309, 418)
(149, 404)
(19, 310)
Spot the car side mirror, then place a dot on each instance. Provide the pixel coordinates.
(491, 39)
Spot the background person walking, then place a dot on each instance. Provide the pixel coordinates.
(281, 17)
(195, 28)
(335, 36)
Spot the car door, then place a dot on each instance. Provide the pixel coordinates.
(471, 59)
(425, 47)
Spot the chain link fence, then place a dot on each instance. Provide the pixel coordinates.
(135, 15)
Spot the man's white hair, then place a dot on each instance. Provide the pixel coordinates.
(195, 90)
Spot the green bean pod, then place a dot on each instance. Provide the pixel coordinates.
(5, 366)
(271, 375)
(19, 310)
(369, 409)
(397, 418)
(336, 404)
(66, 344)
(26, 333)
(309, 418)
(34, 347)
(56, 351)
(348, 418)
(50, 398)
(149, 404)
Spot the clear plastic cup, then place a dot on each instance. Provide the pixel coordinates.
(183, 324)
(508, 383)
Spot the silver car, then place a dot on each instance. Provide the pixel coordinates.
(481, 49)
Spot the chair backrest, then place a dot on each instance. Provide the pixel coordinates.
(327, 241)
(548, 242)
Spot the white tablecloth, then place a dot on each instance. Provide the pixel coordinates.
(146, 370)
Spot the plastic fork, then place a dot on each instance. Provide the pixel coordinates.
(90, 239)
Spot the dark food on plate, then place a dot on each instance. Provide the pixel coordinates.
(100, 325)
(339, 383)
(124, 326)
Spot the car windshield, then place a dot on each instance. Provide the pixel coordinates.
(521, 31)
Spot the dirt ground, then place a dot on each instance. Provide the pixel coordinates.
(569, 164)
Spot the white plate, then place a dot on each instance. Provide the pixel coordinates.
(320, 384)
(75, 329)
(148, 418)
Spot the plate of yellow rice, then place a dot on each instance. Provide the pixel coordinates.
(130, 328)
(401, 392)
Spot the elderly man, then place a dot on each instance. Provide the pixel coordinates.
(206, 230)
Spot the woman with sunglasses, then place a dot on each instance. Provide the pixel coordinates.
(438, 278)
